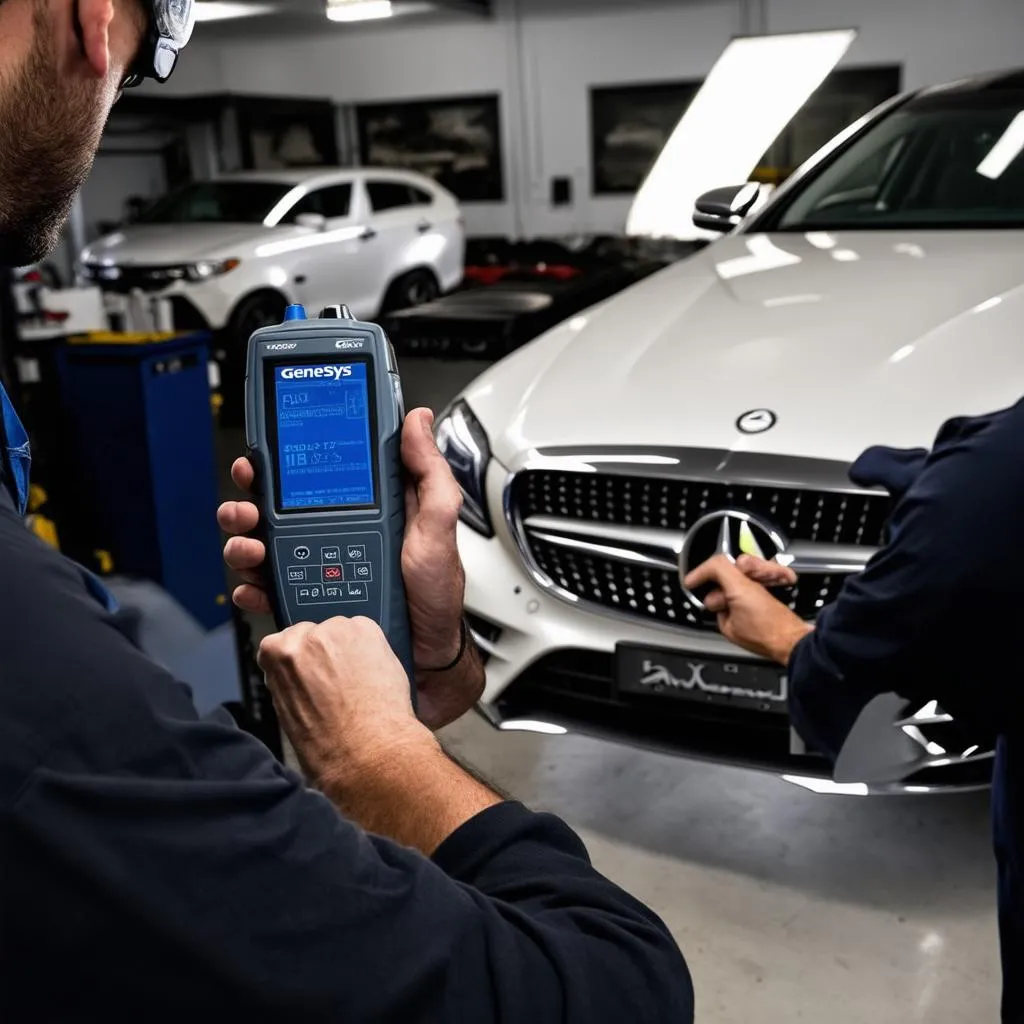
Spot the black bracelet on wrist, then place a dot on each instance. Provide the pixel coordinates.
(463, 648)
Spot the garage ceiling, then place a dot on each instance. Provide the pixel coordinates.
(307, 15)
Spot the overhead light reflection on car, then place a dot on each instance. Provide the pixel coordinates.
(984, 307)
(1005, 151)
(764, 255)
(821, 239)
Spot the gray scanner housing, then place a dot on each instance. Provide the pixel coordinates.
(302, 547)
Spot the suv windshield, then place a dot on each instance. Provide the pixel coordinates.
(217, 202)
(956, 162)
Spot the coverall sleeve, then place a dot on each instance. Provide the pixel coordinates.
(156, 862)
(938, 613)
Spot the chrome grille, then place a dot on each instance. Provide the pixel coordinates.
(596, 564)
(808, 515)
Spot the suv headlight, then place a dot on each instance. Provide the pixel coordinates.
(205, 269)
(464, 444)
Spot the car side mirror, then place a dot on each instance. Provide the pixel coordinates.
(314, 221)
(722, 209)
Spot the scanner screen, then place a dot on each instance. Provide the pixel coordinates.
(325, 436)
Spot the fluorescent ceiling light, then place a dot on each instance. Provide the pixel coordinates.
(751, 94)
(359, 10)
(218, 10)
(1005, 151)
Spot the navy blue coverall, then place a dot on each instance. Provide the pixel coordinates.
(939, 614)
(155, 866)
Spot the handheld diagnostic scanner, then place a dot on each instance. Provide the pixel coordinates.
(324, 414)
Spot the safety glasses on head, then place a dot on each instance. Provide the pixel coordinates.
(169, 29)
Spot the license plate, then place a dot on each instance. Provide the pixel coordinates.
(673, 674)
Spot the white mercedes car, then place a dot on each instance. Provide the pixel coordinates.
(719, 406)
(233, 253)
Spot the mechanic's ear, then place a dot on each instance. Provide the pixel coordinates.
(95, 17)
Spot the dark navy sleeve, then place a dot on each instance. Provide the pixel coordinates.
(157, 866)
(938, 614)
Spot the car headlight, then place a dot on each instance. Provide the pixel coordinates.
(464, 444)
(205, 269)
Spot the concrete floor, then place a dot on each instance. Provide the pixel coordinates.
(789, 906)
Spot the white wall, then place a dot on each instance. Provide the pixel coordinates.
(935, 40)
(116, 177)
(542, 56)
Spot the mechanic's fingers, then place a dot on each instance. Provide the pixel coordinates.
(716, 602)
(281, 648)
(719, 571)
(439, 496)
(252, 599)
(770, 574)
(238, 517)
(243, 474)
(243, 553)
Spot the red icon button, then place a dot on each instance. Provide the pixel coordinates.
(333, 573)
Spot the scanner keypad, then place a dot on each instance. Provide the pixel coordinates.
(320, 572)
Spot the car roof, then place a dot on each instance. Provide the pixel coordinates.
(994, 82)
(328, 175)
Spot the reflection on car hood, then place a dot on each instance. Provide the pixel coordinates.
(167, 244)
(850, 339)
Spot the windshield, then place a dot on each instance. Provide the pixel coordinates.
(930, 164)
(217, 202)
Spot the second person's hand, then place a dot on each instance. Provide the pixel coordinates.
(748, 614)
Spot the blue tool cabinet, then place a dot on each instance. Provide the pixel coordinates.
(140, 421)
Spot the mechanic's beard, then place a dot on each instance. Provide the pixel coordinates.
(49, 132)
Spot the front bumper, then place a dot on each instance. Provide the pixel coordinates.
(551, 669)
(201, 305)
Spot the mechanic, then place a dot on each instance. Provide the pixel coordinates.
(154, 865)
(938, 613)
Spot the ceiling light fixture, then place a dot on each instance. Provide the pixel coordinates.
(359, 10)
(215, 10)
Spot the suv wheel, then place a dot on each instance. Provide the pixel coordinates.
(264, 309)
(413, 289)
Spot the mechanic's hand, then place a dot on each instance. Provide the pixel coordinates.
(768, 574)
(747, 614)
(435, 581)
(342, 697)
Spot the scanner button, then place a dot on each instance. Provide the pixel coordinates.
(333, 574)
(356, 592)
(302, 553)
(356, 552)
(361, 572)
(296, 574)
(334, 595)
(330, 556)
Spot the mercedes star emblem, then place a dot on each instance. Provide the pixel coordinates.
(757, 421)
(731, 533)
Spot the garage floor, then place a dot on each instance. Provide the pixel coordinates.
(789, 906)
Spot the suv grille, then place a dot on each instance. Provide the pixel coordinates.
(655, 593)
(128, 278)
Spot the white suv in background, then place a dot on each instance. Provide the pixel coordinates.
(234, 252)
